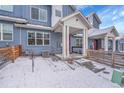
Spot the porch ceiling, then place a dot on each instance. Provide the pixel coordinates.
(72, 30)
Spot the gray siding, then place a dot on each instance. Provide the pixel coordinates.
(93, 21)
(67, 10)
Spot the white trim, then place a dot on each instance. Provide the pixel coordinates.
(34, 26)
(36, 38)
(39, 9)
(12, 19)
(7, 10)
(74, 14)
(119, 47)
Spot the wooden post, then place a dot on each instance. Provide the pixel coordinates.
(113, 59)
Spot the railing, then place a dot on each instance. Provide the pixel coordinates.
(11, 53)
(110, 58)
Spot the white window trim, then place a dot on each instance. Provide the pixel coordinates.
(36, 38)
(80, 43)
(1, 30)
(39, 14)
(120, 46)
(7, 10)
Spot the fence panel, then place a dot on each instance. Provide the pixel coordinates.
(109, 58)
(11, 53)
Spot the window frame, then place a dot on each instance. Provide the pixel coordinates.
(121, 45)
(58, 11)
(79, 42)
(39, 10)
(7, 10)
(1, 30)
(36, 38)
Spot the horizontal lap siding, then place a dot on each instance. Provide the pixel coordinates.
(15, 37)
(36, 49)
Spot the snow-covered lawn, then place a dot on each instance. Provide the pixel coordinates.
(51, 74)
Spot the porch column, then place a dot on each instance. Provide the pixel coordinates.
(85, 42)
(64, 41)
(114, 44)
(106, 43)
(67, 41)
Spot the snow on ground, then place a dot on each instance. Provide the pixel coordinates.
(50, 74)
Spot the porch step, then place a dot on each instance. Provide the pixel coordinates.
(81, 61)
(73, 66)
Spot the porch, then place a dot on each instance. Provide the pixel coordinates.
(104, 39)
(70, 26)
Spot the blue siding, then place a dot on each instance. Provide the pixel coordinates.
(16, 38)
(67, 10)
(37, 49)
(26, 14)
(23, 11)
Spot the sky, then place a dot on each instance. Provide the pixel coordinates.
(110, 15)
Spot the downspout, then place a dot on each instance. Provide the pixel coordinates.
(20, 36)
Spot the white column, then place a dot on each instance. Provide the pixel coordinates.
(64, 42)
(85, 42)
(67, 42)
(114, 44)
(106, 43)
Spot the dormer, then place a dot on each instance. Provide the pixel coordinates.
(94, 20)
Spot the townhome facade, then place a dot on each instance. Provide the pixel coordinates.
(58, 29)
(41, 27)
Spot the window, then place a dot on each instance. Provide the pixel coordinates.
(58, 13)
(31, 38)
(43, 15)
(6, 31)
(121, 46)
(6, 8)
(79, 42)
(34, 13)
(38, 38)
(39, 14)
(46, 38)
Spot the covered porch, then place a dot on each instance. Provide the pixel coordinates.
(70, 26)
(104, 39)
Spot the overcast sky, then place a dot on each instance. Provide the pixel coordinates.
(109, 15)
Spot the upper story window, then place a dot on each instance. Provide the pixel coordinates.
(39, 14)
(58, 13)
(6, 32)
(8, 8)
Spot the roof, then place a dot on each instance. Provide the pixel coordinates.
(96, 32)
(70, 16)
(96, 16)
(121, 36)
(13, 19)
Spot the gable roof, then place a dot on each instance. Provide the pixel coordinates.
(72, 15)
(96, 32)
(96, 16)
